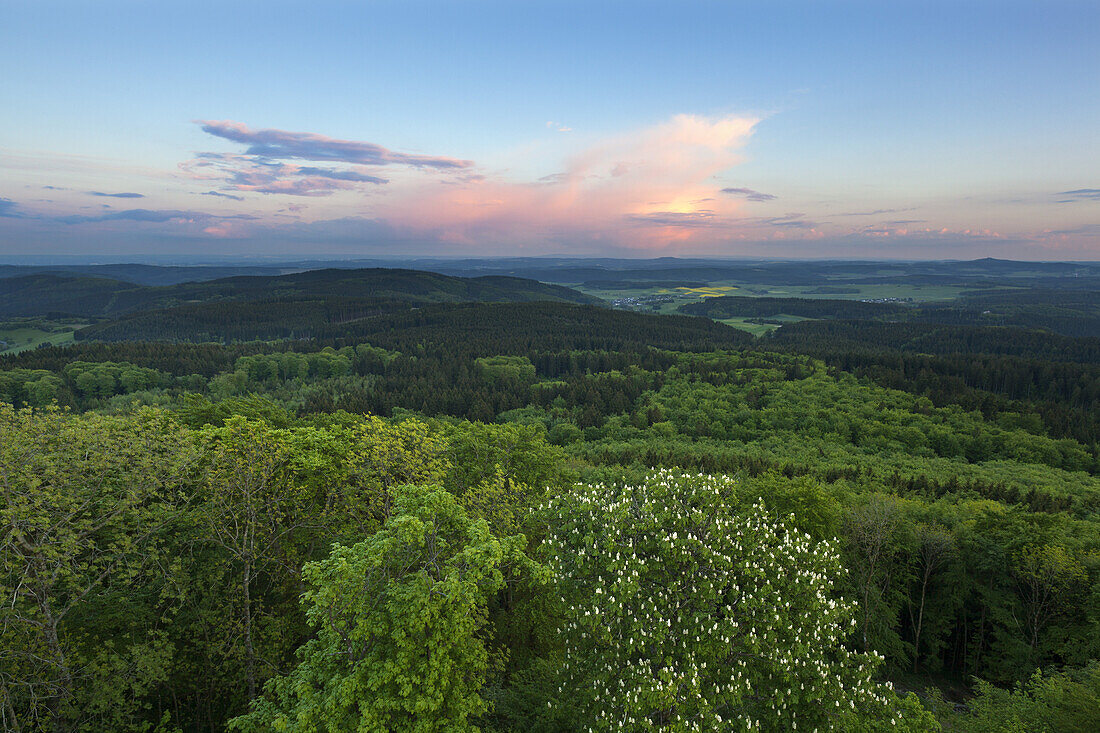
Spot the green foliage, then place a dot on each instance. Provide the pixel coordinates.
(500, 471)
(398, 618)
(31, 387)
(1048, 576)
(960, 492)
(195, 410)
(508, 369)
(1058, 702)
(353, 470)
(87, 506)
(106, 379)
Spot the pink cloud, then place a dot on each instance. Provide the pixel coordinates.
(642, 189)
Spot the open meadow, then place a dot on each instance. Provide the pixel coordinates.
(17, 336)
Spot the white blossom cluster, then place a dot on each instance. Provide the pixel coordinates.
(686, 614)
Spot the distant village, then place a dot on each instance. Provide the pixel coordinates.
(648, 302)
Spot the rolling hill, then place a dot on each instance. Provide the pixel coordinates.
(93, 297)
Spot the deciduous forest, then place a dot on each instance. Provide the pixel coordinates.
(364, 511)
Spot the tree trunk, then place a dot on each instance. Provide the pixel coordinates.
(7, 711)
(250, 655)
(64, 681)
(920, 622)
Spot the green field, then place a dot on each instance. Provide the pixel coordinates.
(17, 336)
(759, 329)
(917, 293)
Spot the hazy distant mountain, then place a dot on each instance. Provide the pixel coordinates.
(581, 269)
(140, 274)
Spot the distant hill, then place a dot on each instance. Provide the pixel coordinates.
(975, 273)
(228, 321)
(517, 328)
(45, 293)
(483, 327)
(140, 274)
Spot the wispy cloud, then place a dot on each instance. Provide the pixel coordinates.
(246, 173)
(875, 212)
(748, 194)
(266, 164)
(690, 219)
(158, 216)
(125, 195)
(1087, 229)
(281, 144)
(170, 223)
(1080, 194)
(792, 221)
(9, 209)
(222, 195)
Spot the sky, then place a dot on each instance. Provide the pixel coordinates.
(908, 130)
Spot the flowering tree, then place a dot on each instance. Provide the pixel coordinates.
(687, 614)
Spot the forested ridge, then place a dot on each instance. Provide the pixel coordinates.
(549, 517)
(1071, 313)
(77, 295)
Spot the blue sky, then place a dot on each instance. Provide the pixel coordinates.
(814, 129)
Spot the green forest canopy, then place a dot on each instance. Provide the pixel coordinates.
(188, 533)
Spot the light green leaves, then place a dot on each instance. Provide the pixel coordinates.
(398, 620)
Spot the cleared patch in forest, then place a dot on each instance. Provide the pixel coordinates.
(17, 336)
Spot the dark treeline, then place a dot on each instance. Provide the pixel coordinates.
(266, 320)
(1039, 376)
(1064, 297)
(482, 327)
(1069, 313)
(940, 339)
(730, 306)
(435, 371)
(499, 328)
(1065, 321)
(1059, 396)
(176, 359)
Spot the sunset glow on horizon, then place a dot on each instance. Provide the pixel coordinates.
(951, 130)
